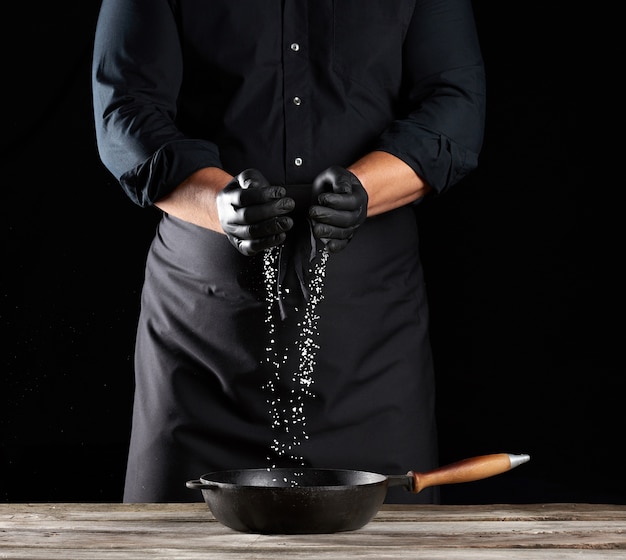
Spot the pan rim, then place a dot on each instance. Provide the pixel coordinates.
(213, 478)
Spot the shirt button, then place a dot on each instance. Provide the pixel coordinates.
(295, 47)
(297, 101)
(298, 161)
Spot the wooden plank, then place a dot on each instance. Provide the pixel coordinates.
(178, 554)
(199, 511)
(519, 534)
(189, 531)
(504, 512)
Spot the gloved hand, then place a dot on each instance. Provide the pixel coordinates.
(252, 212)
(341, 209)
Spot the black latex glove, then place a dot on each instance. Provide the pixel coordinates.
(252, 212)
(341, 208)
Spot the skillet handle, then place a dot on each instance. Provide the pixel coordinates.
(197, 484)
(467, 470)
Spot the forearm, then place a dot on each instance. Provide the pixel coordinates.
(390, 183)
(194, 200)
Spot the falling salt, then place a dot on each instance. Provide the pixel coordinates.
(289, 418)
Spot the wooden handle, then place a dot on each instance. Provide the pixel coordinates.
(467, 470)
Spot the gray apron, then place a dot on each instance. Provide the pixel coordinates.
(201, 398)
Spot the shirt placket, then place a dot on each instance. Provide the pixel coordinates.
(297, 98)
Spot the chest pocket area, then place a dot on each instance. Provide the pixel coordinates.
(368, 37)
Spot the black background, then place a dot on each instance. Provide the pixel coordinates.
(522, 262)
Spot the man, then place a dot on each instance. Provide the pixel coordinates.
(264, 128)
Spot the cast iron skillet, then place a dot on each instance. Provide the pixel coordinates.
(307, 500)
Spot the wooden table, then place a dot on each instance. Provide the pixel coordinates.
(189, 531)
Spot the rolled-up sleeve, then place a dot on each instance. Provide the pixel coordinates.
(136, 76)
(440, 130)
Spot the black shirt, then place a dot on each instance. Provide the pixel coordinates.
(288, 87)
